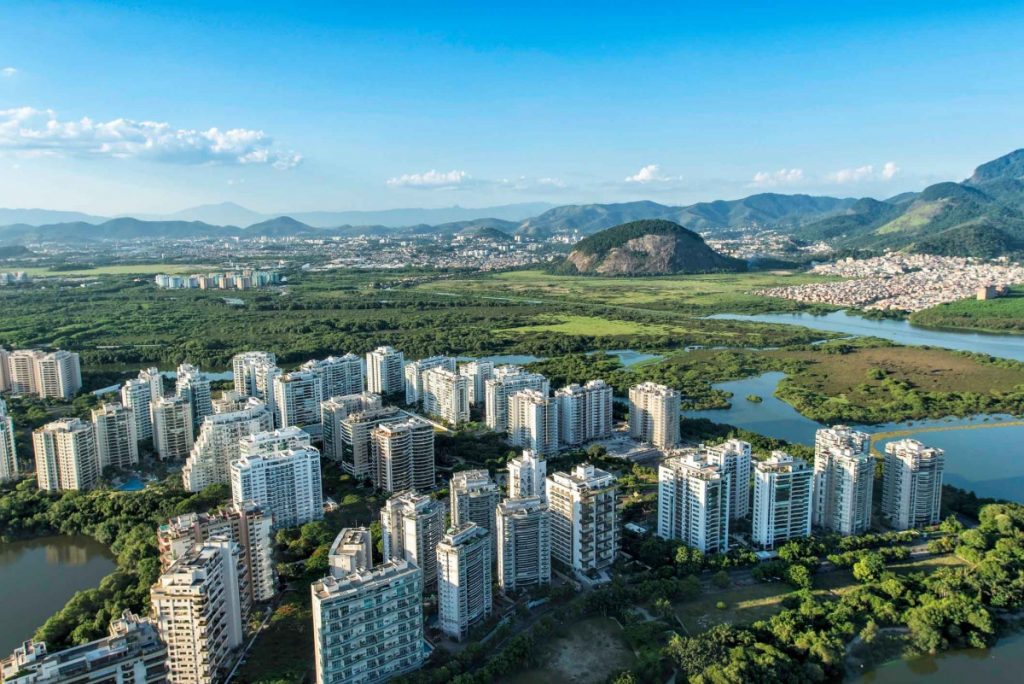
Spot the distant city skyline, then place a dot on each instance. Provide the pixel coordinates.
(111, 109)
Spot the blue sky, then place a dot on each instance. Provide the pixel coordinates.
(151, 107)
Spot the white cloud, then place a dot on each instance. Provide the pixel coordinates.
(890, 170)
(431, 179)
(39, 132)
(8, 72)
(768, 179)
(864, 173)
(649, 174)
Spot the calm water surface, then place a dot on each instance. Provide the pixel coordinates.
(1002, 663)
(38, 576)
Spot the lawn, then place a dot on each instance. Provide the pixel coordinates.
(122, 269)
(744, 605)
(1003, 315)
(591, 326)
(586, 653)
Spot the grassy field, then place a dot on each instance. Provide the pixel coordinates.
(122, 269)
(1004, 315)
(591, 325)
(587, 654)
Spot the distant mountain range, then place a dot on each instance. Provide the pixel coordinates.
(981, 216)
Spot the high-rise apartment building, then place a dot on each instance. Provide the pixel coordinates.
(336, 409)
(533, 422)
(197, 606)
(473, 497)
(584, 412)
(404, 454)
(524, 543)
(297, 397)
(21, 367)
(414, 372)
(339, 375)
(527, 475)
(117, 443)
(584, 518)
(218, 442)
(506, 381)
(355, 432)
(8, 453)
(783, 488)
(477, 373)
(5, 370)
(912, 484)
(463, 579)
(284, 482)
(843, 480)
(368, 624)
(654, 414)
(192, 384)
(66, 456)
(173, 434)
(137, 394)
(247, 367)
(446, 395)
(385, 371)
(693, 502)
(351, 551)
(246, 524)
(733, 459)
(412, 526)
(48, 375)
(132, 653)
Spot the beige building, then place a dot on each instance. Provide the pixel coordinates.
(404, 454)
(912, 484)
(173, 432)
(584, 518)
(385, 371)
(446, 395)
(844, 476)
(533, 422)
(783, 501)
(654, 414)
(693, 501)
(66, 455)
(117, 442)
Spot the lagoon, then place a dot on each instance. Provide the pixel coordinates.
(1004, 662)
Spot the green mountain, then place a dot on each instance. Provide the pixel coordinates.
(646, 247)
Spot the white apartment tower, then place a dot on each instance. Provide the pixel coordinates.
(584, 412)
(248, 367)
(8, 453)
(117, 443)
(584, 518)
(524, 543)
(533, 422)
(843, 480)
(56, 375)
(282, 480)
(5, 370)
(506, 381)
(197, 607)
(194, 385)
(297, 397)
(463, 579)
(733, 459)
(412, 526)
(137, 394)
(368, 625)
(783, 489)
(654, 414)
(173, 434)
(912, 484)
(355, 433)
(351, 551)
(473, 497)
(527, 476)
(384, 371)
(404, 454)
(66, 456)
(339, 375)
(693, 502)
(446, 395)
(337, 409)
(217, 446)
(478, 373)
(414, 372)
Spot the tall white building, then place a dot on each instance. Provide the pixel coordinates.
(117, 443)
(477, 373)
(283, 481)
(339, 375)
(506, 381)
(56, 375)
(385, 368)
(414, 372)
(336, 409)
(218, 442)
(247, 367)
(194, 385)
(173, 434)
(524, 543)
(912, 484)
(66, 456)
(8, 453)
(473, 497)
(693, 502)
(843, 480)
(463, 579)
(584, 412)
(533, 422)
(733, 459)
(446, 395)
(783, 489)
(297, 397)
(351, 551)
(247, 525)
(404, 454)
(527, 476)
(197, 606)
(137, 394)
(654, 414)
(368, 625)
(5, 370)
(355, 432)
(584, 518)
(412, 526)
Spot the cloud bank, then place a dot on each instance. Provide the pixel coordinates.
(431, 179)
(771, 179)
(8, 72)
